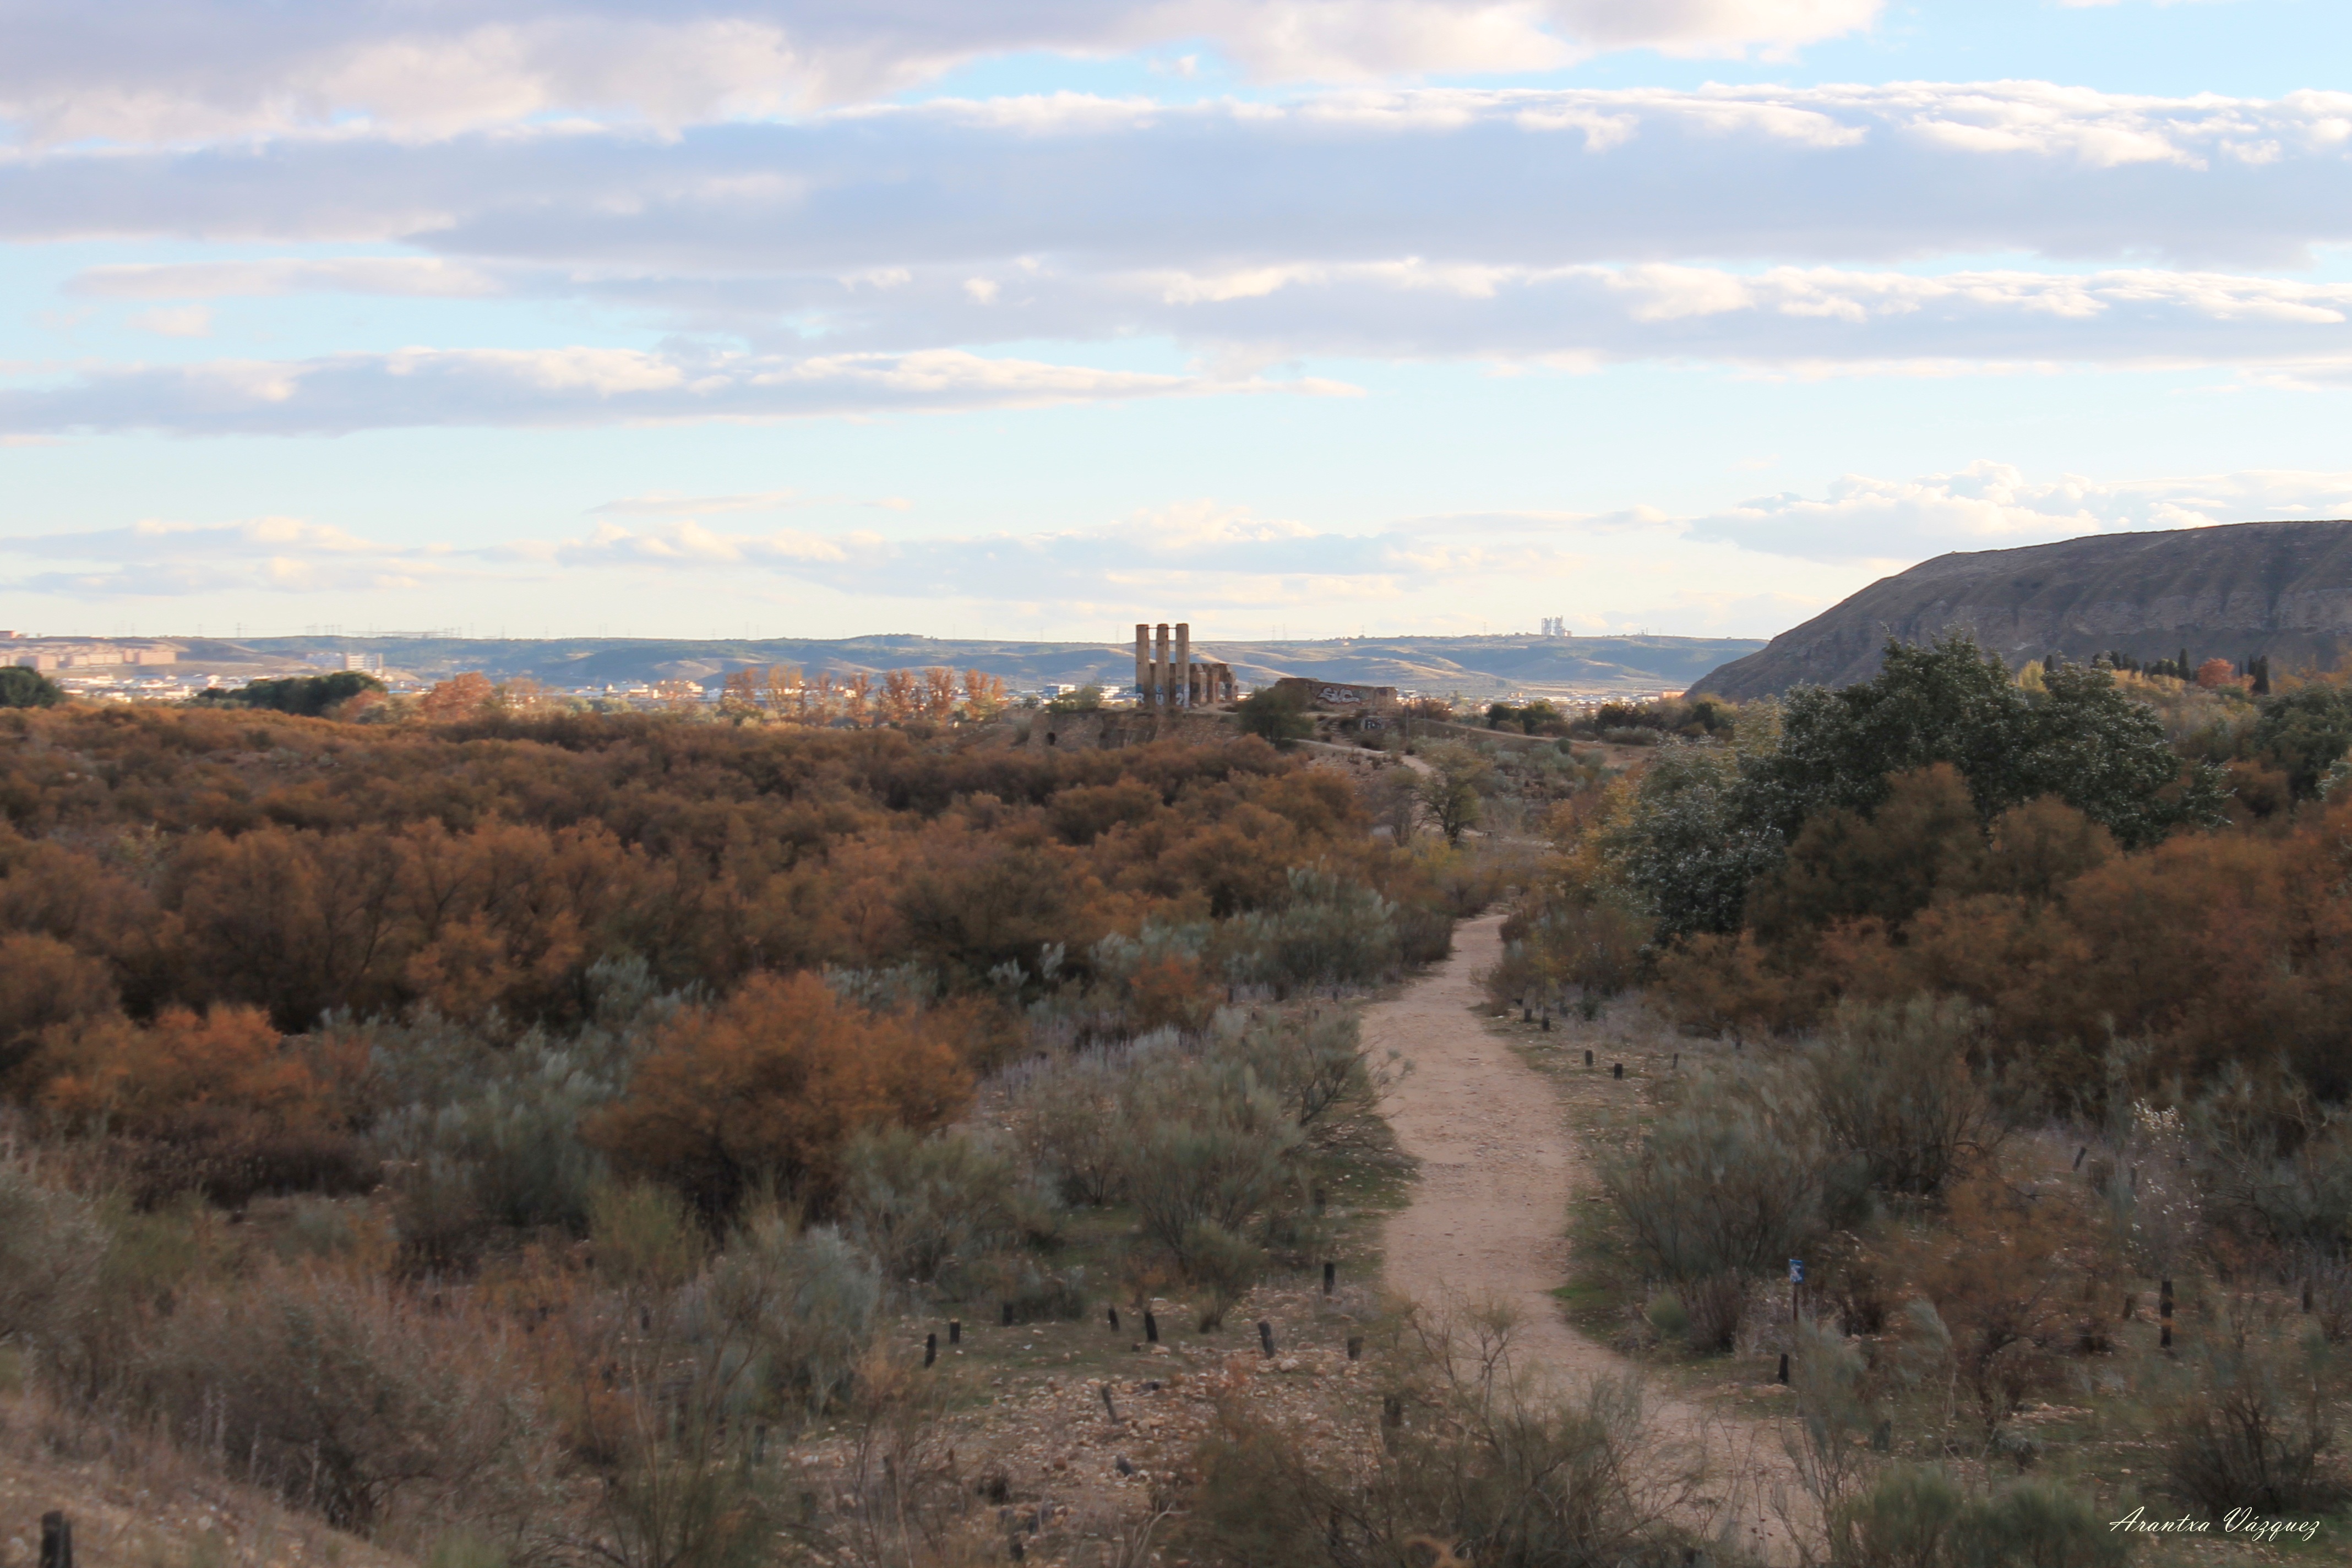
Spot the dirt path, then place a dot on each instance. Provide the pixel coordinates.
(1488, 1218)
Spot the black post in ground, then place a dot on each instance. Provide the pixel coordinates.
(1265, 1336)
(1784, 1366)
(1150, 1327)
(930, 1349)
(1588, 1059)
(1114, 1319)
(955, 1331)
(57, 1540)
(1331, 1278)
(1617, 1069)
(1355, 1347)
(2163, 1314)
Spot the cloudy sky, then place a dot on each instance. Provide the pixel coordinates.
(1041, 317)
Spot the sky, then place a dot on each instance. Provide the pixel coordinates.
(1036, 318)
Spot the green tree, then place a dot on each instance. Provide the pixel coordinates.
(1688, 847)
(1452, 791)
(2083, 740)
(310, 695)
(2303, 731)
(1275, 715)
(22, 688)
(1085, 700)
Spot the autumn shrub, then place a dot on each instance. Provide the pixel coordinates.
(44, 984)
(773, 1082)
(2249, 1424)
(1897, 1087)
(52, 1250)
(1724, 1187)
(928, 1208)
(345, 1397)
(2018, 1276)
(220, 1103)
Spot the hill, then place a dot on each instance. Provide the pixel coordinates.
(1478, 667)
(2283, 589)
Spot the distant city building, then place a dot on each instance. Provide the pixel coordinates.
(370, 663)
(46, 654)
(1556, 627)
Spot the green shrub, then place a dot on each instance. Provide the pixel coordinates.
(1276, 716)
(1724, 1188)
(804, 1301)
(1921, 1517)
(52, 1248)
(1316, 1066)
(1331, 932)
(926, 1209)
(643, 1237)
(1222, 1267)
(1065, 1119)
(1205, 1146)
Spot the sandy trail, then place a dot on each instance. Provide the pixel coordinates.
(1488, 1218)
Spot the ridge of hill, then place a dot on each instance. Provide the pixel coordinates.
(2280, 589)
(1479, 666)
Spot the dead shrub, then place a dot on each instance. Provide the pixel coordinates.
(1460, 1454)
(1896, 1085)
(346, 1398)
(2249, 1427)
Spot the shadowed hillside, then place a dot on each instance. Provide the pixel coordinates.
(2280, 589)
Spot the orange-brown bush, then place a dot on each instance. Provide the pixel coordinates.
(2213, 948)
(772, 1083)
(2018, 1277)
(486, 863)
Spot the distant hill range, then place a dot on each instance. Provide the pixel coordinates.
(2283, 589)
(1483, 667)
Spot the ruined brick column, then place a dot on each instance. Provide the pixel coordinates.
(1159, 671)
(1143, 663)
(1182, 681)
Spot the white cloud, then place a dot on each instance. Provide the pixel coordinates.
(144, 71)
(570, 386)
(1835, 174)
(175, 321)
(1217, 555)
(1992, 506)
(876, 358)
(418, 276)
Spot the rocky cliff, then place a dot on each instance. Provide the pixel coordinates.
(2279, 588)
